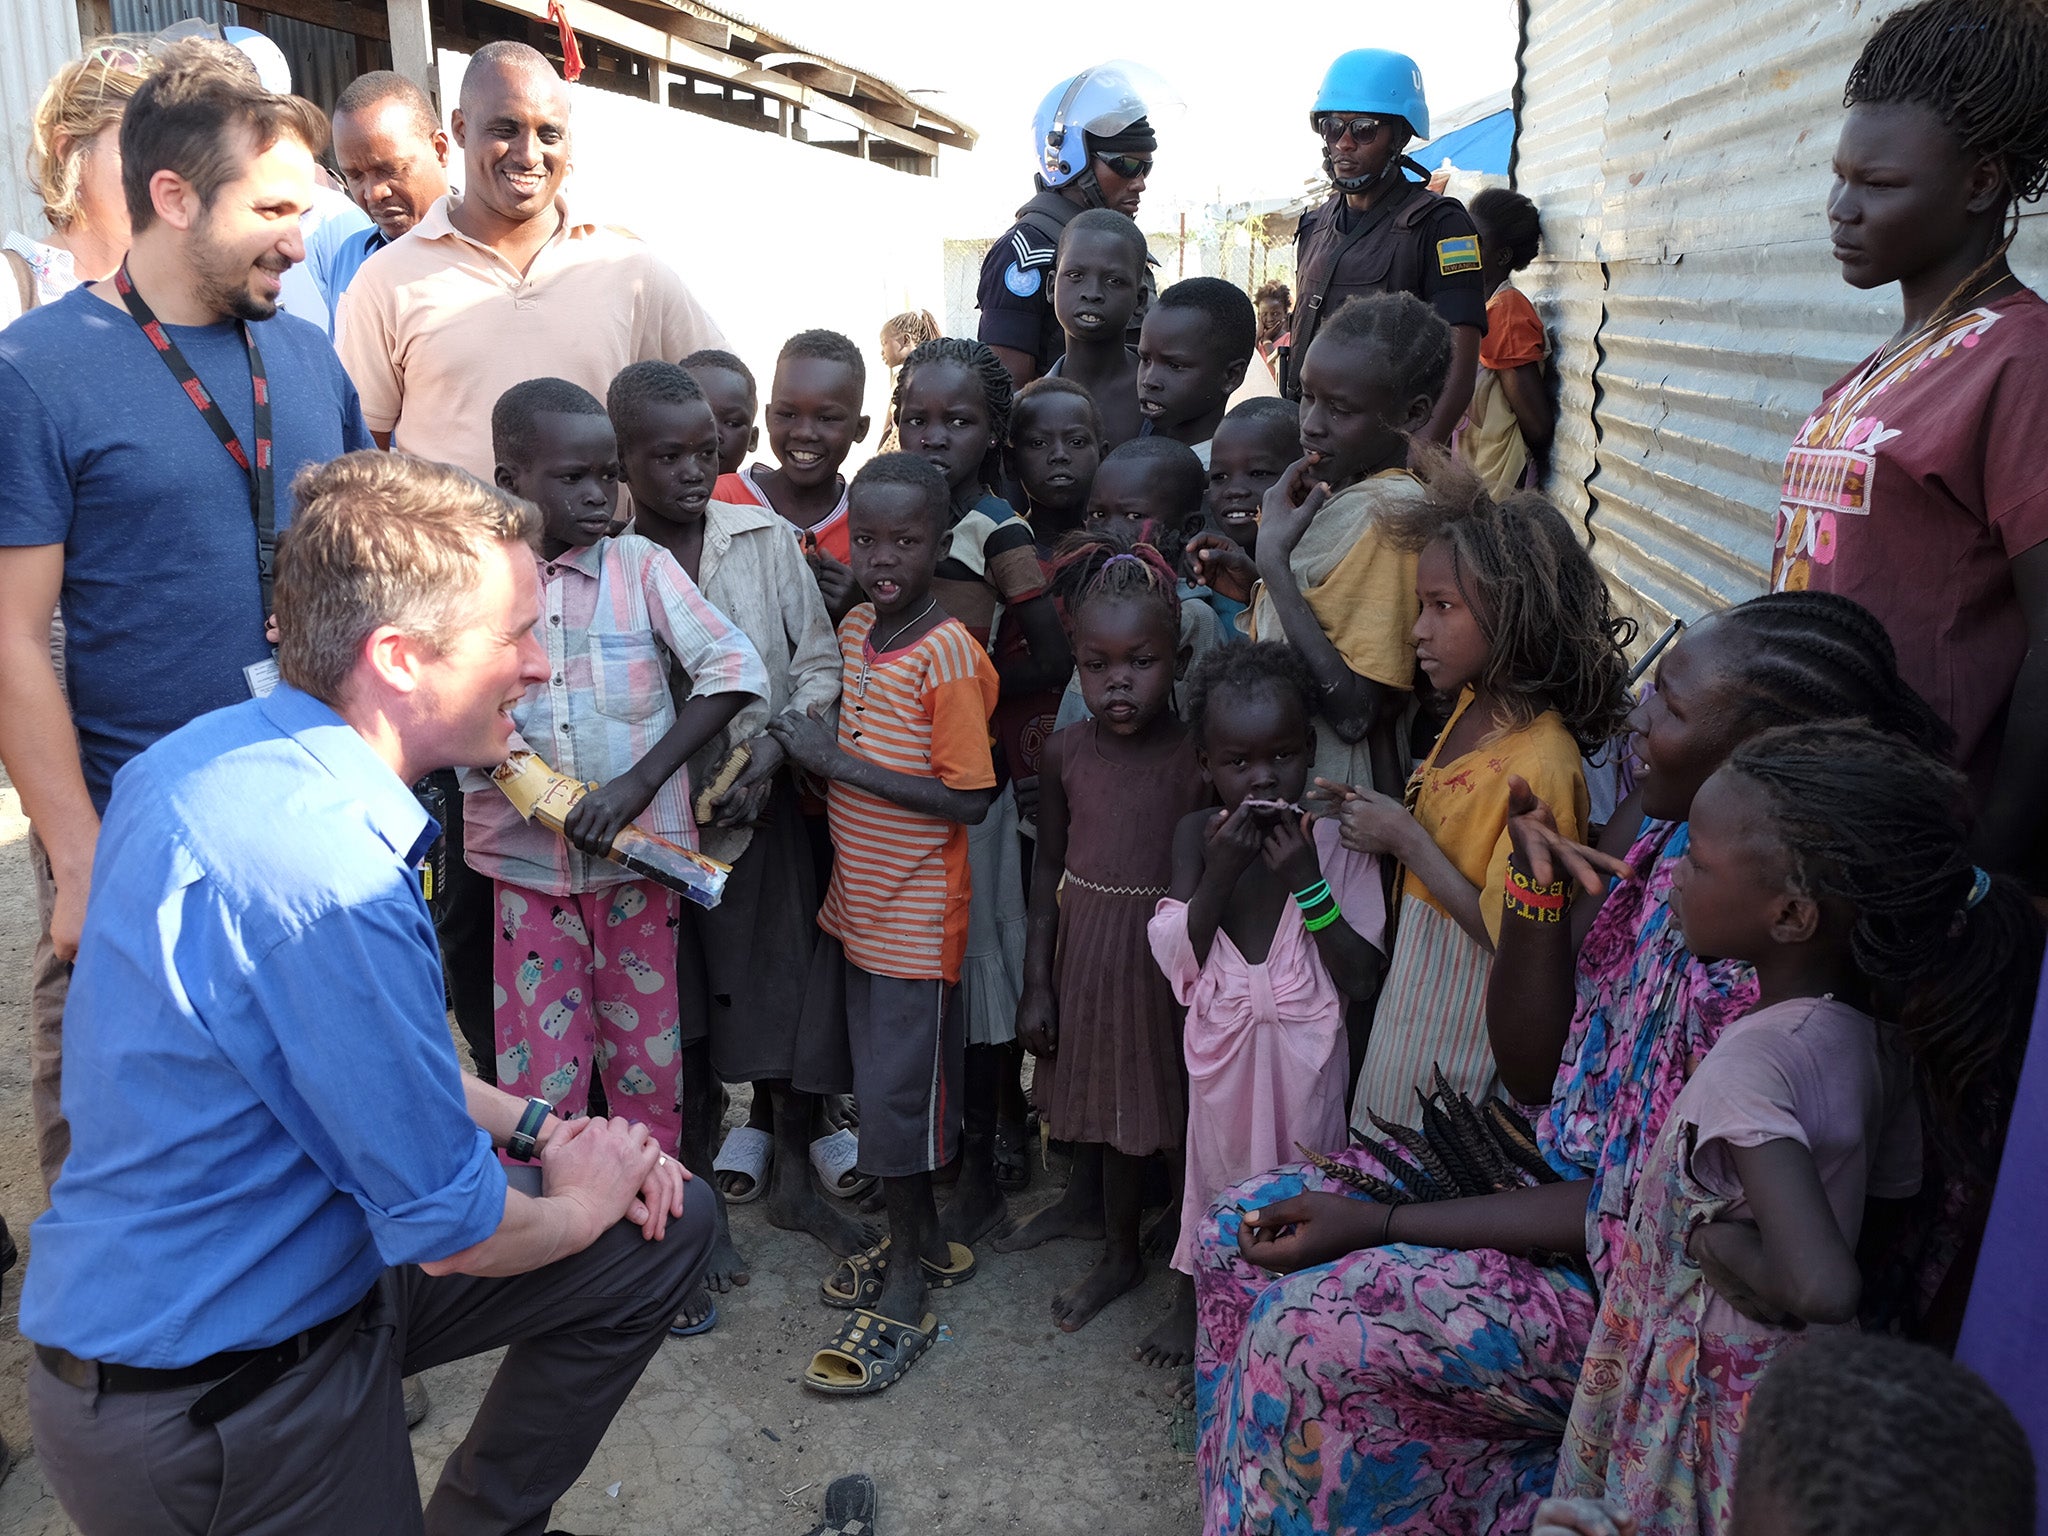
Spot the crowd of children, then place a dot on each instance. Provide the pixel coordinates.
(1213, 783)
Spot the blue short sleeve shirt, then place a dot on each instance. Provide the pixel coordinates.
(105, 454)
(266, 1110)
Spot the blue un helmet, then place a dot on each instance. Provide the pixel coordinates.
(1109, 101)
(1380, 83)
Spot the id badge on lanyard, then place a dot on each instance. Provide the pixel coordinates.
(261, 676)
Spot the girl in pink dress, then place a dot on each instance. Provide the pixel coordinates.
(1271, 927)
(1834, 860)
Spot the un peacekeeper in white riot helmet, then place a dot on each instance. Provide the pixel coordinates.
(1093, 142)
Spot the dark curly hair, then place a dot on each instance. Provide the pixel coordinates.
(996, 388)
(1264, 666)
(1410, 334)
(1951, 952)
(638, 385)
(1553, 637)
(1510, 220)
(1853, 1433)
(1091, 565)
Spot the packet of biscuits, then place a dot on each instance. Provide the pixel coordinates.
(539, 793)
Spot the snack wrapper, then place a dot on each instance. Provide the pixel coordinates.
(539, 793)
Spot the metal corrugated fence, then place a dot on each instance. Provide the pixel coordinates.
(1698, 313)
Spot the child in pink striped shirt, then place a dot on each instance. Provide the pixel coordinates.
(584, 953)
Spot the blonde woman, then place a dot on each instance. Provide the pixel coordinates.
(902, 335)
(74, 163)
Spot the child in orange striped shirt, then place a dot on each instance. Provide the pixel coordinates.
(910, 770)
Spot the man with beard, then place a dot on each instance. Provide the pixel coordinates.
(506, 281)
(154, 423)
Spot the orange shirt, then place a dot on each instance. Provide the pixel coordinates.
(831, 534)
(899, 891)
(1514, 331)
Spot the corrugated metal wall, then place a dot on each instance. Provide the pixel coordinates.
(1721, 314)
(323, 60)
(41, 35)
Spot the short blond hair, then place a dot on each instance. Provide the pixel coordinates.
(83, 99)
(383, 538)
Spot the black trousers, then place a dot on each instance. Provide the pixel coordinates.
(324, 1451)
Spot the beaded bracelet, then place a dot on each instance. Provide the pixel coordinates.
(1538, 903)
(1314, 896)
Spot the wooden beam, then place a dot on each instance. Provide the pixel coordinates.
(676, 23)
(624, 32)
(362, 20)
(812, 72)
(411, 33)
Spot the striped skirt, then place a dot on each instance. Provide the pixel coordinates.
(1431, 1013)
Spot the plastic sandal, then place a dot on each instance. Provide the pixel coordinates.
(836, 1157)
(703, 1325)
(850, 1506)
(746, 1154)
(1013, 1159)
(869, 1354)
(857, 1281)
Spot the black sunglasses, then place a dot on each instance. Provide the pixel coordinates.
(1334, 128)
(1130, 167)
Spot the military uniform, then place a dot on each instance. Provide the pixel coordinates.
(1015, 294)
(1411, 241)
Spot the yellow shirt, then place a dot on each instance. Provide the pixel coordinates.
(1463, 804)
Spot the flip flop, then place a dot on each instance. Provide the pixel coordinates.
(869, 1354)
(836, 1158)
(857, 1281)
(744, 1154)
(703, 1325)
(849, 1510)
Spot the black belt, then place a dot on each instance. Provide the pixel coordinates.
(242, 1375)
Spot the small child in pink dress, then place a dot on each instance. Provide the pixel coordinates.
(1271, 926)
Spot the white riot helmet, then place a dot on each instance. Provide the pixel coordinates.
(1104, 102)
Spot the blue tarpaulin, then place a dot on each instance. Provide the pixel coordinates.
(1482, 146)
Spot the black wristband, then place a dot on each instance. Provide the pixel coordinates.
(521, 1144)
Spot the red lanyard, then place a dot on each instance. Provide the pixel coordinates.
(262, 477)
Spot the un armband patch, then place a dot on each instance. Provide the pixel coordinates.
(1024, 282)
(1458, 255)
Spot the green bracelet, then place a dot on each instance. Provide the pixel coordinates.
(1322, 920)
(1313, 896)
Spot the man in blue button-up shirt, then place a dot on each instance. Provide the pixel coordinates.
(282, 1193)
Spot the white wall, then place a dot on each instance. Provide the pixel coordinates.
(773, 236)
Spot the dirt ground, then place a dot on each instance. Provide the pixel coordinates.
(1007, 1425)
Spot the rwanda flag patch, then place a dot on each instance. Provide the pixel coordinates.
(1458, 255)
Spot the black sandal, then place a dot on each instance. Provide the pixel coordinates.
(1013, 1157)
(849, 1507)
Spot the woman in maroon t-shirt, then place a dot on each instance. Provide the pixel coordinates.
(1919, 487)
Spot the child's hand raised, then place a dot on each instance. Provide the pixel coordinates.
(835, 583)
(807, 740)
(595, 821)
(1288, 852)
(1582, 1517)
(1290, 506)
(1218, 562)
(1545, 853)
(1370, 822)
(1232, 841)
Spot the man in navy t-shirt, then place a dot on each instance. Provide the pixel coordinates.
(121, 498)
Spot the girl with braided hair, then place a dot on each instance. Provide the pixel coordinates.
(1391, 1343)
(1095, 1011)
(952, 407)
(1834, 859)
(1917, 487)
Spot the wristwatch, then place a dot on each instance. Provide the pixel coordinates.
(522, 1145)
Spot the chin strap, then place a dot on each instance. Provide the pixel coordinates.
(1353, 185)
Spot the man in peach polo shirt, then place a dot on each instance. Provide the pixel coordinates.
(502, 283)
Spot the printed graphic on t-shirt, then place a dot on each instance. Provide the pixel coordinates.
(1833, 459)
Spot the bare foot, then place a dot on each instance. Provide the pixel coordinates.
(1112, 1275)
(976, 1209)
(797, 1206)
(1184, 1390)
(1076, 1213)
(727, 1268)
(1163, 1236)
(1172, 1344)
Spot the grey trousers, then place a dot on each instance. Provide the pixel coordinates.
(325, 1450)
(49, 981)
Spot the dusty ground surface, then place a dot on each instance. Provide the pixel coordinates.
(1008, 1425)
